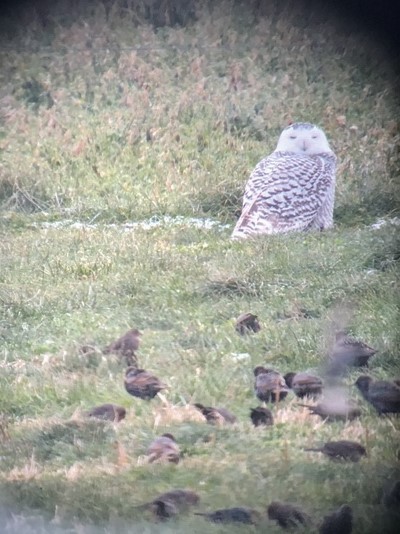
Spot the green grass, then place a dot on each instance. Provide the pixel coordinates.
(111, 135)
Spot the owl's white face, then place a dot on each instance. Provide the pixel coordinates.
(303, 138)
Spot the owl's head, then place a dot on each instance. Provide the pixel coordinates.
(303, 138)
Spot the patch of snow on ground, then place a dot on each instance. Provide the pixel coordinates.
(383, 222)
(148, 224)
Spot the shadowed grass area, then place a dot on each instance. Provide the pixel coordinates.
(119, 134)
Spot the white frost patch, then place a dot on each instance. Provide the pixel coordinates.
(383, 222)
(148, 224)
(240, 356)
(179, 220)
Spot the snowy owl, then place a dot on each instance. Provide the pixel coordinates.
(293, 189)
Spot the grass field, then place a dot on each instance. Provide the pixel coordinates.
(124, 152)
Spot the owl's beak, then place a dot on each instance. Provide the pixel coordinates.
(304, 145)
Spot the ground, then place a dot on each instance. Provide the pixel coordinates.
(125, 149)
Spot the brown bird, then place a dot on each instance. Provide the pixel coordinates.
(339, 521)
(171, 503)
(237, 514)
(165, 449)
(304, 384)
(391, 498)
(163, 510)
(261, 416)
(382, 394)
(108, 412)
(216, 415)
(269, 385)
(142, 384)
(342, 449)
(126, 346)
(347, 351)
(334, 411)
(287, 515)
(247, 323)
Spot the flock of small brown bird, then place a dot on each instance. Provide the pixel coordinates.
(270, 386)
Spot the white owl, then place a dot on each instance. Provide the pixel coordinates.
(293, 189)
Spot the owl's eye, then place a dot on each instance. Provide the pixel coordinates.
(292, 136)
(314, 137)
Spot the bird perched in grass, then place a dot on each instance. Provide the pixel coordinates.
(163, 510)
(108, 412)
(247, 323)
(164, 448)
(237, 514)
(171, 503)
(348, 351)
(142, 384)
(334, 411)
(261, 416)
(338, 522)
(384, 395)
(269, 385)
(292, 189)
(287, 515)
(216, 415)
(342, 449)
(304, 384)
(126, 346)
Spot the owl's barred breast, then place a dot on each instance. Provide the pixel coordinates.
(284, 171)
(292, 189)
